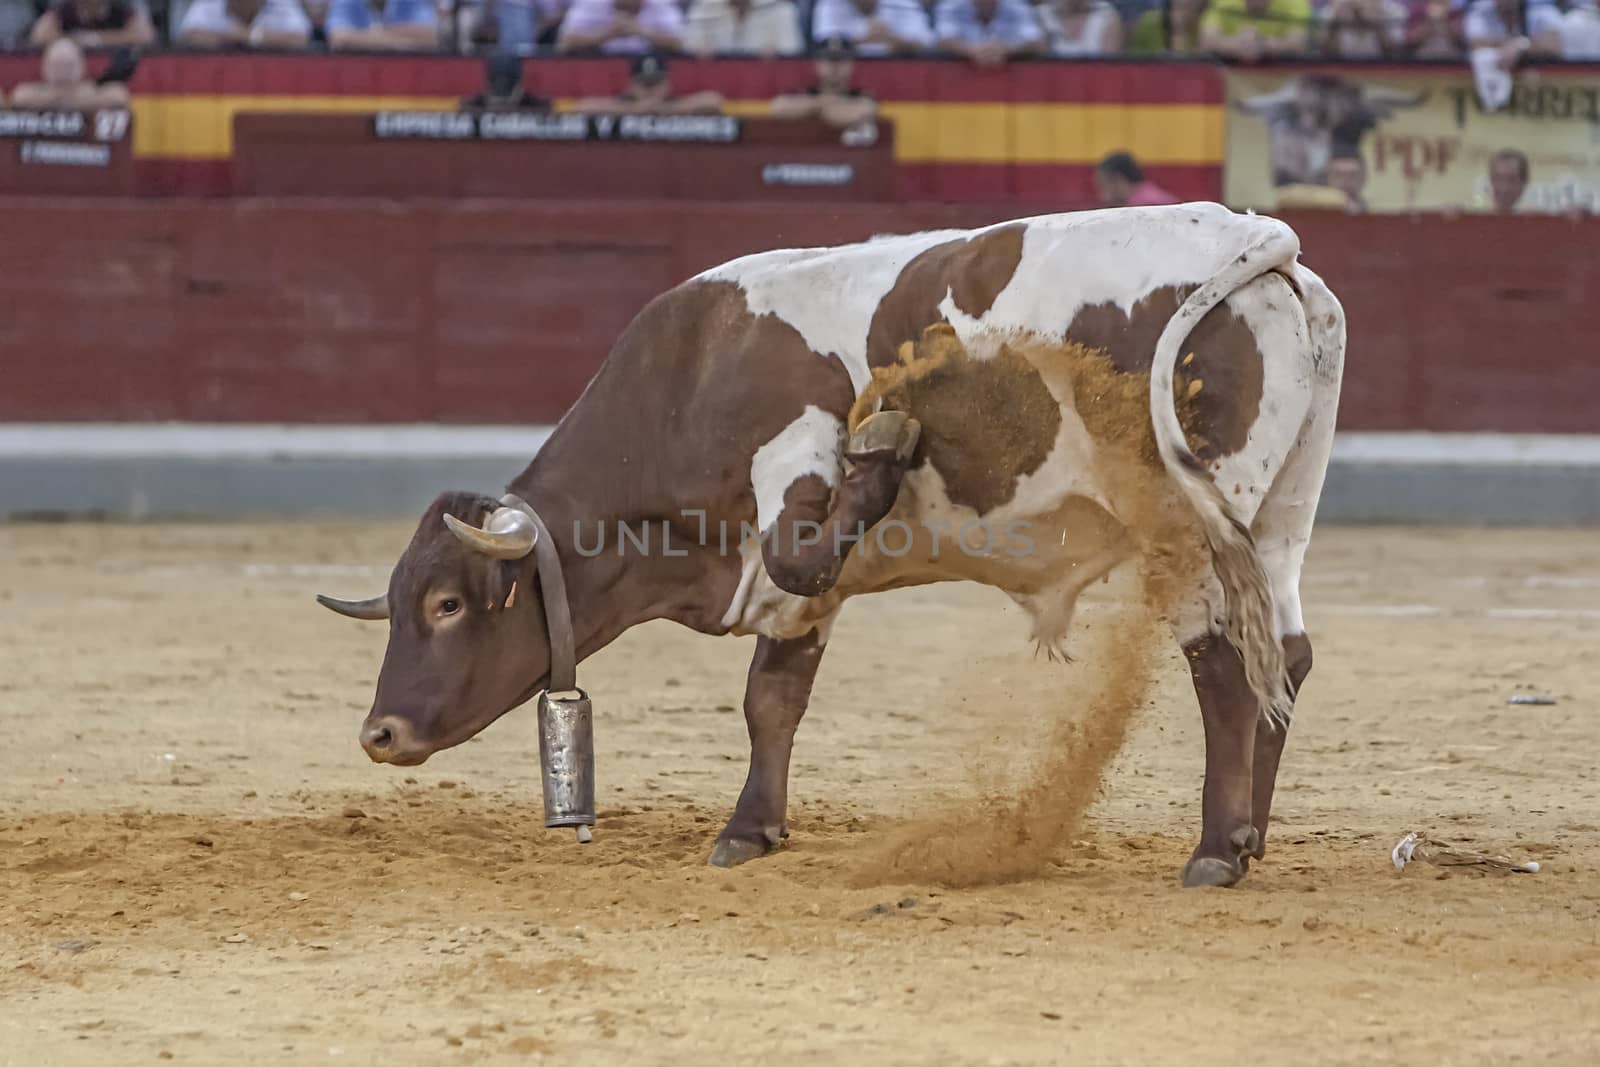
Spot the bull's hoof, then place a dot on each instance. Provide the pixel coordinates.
(1211, 870)
(884, 435)
(732, 851)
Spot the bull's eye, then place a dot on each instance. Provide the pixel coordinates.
(449, 606)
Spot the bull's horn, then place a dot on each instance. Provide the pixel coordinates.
(509, 533)
(375, 608)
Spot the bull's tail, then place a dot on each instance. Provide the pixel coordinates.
(1246, 589)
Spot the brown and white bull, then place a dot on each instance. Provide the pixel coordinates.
(724, 406)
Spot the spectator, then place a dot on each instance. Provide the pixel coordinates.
(833, 98)
(1347, 172)
(383, 25)
(1508, 179)
(1501, 34)
(15, 18)
(622, 27)
(1364, 29)
(502, 89)
(1120, 182)
(1260, 29)
(875, 27)
(255, 23)
(1173, 27)
(1433, 30)
(1516, 30)
(1081, 27)
(754, 27)
(64, 86)
(649, 92)
(988, 32)
(95, 23)
(1580, 31)
(515, 25)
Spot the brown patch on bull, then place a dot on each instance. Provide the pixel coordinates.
(696, 345)
(973, 271)
(985, 423)
(1222, 373)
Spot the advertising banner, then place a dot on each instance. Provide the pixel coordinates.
(1390, 139)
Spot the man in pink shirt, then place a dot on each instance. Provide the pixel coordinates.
(1121, 183)
(622, 27)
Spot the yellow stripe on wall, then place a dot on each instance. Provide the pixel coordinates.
(201, 127)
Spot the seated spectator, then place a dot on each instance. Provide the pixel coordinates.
(1173, 27)
(650, 93)
(833, 98)
(252, 23)
(988, 32)
(1580, 32)
(1252, 30)
(1514, 29)
(1433, 30)
(1081, 27)
(875, 27)
(513, 25)
(63, 85)
(15, 18)
(383, 25)
(1120, 182)
(1347, 172)
(752, 27)
(502, 89)
(1364, 29)
(622, 27)
(95, 23)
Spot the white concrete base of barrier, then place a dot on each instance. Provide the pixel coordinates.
(190, 471)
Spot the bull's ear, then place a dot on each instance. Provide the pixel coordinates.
(372, 609)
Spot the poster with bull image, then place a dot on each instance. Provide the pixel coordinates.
(1383, 139)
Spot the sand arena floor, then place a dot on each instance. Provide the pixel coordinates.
(198, 865)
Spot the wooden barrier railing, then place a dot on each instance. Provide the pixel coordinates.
(491, 311)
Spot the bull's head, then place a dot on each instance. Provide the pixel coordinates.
(467, 633)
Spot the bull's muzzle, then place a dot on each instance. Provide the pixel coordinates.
(389, 739)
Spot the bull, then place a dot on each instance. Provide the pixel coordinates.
(760, 397)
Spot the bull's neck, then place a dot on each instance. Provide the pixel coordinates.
(587, 501)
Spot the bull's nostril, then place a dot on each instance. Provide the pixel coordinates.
(380, 738)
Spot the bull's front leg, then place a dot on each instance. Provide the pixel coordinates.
(808, 545)
(775, 698)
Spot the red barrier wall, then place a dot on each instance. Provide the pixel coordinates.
(312, 311)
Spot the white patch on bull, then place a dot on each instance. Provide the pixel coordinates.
(750, 567)
(828, 295)
(1068, 262)
(808, 445)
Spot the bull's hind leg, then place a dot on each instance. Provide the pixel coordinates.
(775, 698)
(1270, 740)
(804, 548)
(1283, 532)
(1230, 712)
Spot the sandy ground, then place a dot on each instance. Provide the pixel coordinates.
(198, 864)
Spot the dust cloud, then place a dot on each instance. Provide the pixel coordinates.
(1013, 828)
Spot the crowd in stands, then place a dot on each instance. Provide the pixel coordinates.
(987, 32)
